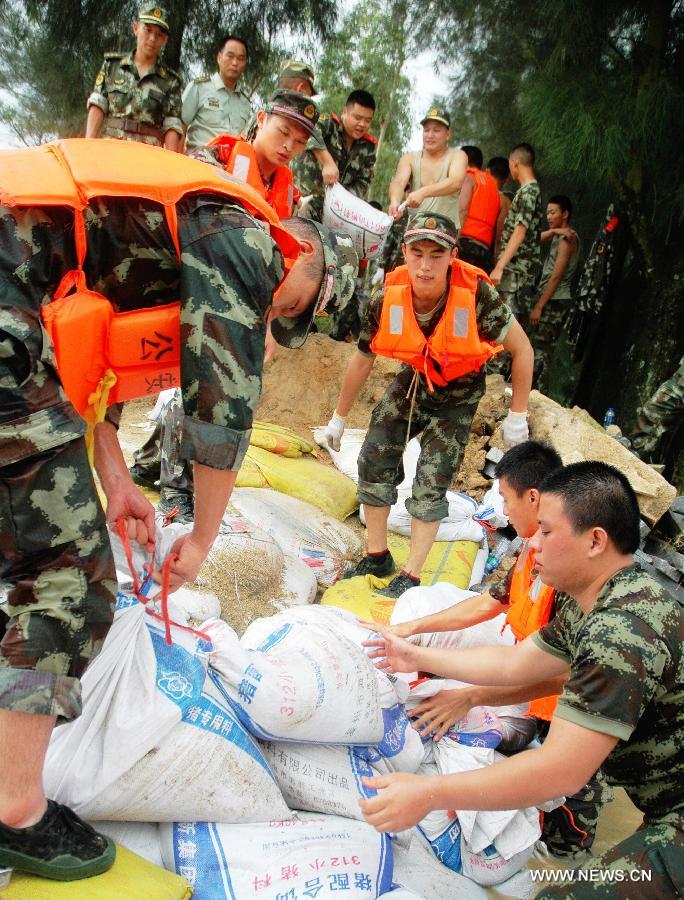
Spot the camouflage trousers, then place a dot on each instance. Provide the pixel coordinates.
(161, 456)
(442, 419)
(518, 294)
(648, 865)
(569, 830)
(663, 411)
(475, 253)
(543, 339)
(58, 580)
(313, 208)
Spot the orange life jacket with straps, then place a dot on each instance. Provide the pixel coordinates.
(485, 203)
(102, 356)
(455, 344)
(530, 607)
(239, 158)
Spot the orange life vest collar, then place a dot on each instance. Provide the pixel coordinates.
(483, 211)
(455, 344)
(530, 607)
(239, 158)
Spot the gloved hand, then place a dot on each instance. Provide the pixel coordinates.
(515, 428)
(334, 431)
(378, 277)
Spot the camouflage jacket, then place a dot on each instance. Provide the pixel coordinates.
(626, 659)
(526, 209)
(230, 269)
(493, 317)
(356, 164)
(154, 99)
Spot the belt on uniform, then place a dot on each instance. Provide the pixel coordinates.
(465, 237)
(134, 127)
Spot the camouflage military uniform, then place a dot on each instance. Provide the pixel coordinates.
(627, 680)
(56, 563)
(662, 412)
(547, 332)
(137, 108)
(391, 251)
(443, 417)
(521, 273)
(356, 164)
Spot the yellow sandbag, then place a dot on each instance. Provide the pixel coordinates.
(131, 877)
(278, 439)
(327, 488)
(249, 474)
(450, 561)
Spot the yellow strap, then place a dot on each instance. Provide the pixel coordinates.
(96, 409)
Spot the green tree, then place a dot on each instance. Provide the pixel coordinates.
(369, 52)
(52, 49)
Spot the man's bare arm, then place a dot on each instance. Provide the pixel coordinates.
(94, 121)
(479, 608)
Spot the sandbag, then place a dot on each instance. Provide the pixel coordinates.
(326, 778)
(131, 877)
(424, 601)
(488, 847)
(306, 478)
(368, 227)
(305, 857)
(294, 677)
(278, 439)
(156, 737)
(417, 869)
(446, 562)
(140, 837)
(300, 529)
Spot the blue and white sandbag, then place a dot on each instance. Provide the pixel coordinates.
(307, 857)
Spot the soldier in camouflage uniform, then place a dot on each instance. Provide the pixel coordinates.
(555, 288)
(519, 254)
(136, 97)
(622, 707)
(352, 148)
(412, 406)
(56, 564)
(663, 412)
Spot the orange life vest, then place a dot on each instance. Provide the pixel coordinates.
(530, 605)
(483, 211)
(102, 356)
(239, 158)
(455, 344)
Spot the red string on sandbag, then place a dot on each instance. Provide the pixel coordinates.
(123, 536)
(166, 573)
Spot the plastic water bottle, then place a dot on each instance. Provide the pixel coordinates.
(609, 418)
(496, 555)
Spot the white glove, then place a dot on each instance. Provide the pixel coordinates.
(515, 428)
(334, 431)
(378, 277)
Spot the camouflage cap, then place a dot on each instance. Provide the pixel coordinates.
(437, 114)
(153, 14)
(331, 312)
(429, 226)
(296, 68)
(293, 105)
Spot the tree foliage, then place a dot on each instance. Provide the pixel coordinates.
(52, 49)
(369, 52)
